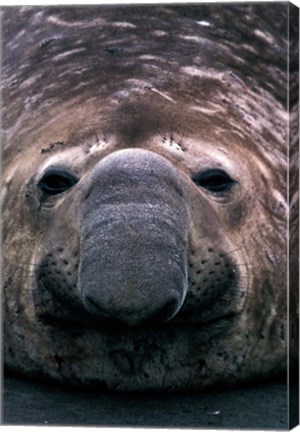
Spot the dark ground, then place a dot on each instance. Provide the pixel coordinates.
(256, 407)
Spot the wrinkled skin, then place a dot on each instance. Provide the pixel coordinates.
(144, 195)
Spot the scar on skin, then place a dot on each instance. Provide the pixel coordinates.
(52, 147)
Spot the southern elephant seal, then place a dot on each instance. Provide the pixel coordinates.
(145, 194)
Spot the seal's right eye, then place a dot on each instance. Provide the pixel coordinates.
(56, 181)
(214, 180)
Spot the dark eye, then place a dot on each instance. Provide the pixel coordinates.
(214, 180)
(57, 181)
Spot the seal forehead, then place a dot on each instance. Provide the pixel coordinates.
(108, 48)
(186, 74)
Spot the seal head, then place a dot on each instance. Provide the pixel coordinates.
(144, 195)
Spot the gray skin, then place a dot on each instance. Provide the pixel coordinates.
(144, 195)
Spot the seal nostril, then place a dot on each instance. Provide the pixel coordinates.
(131, 317)
(166, 312)
(94, 308)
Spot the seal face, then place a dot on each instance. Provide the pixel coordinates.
(144, 185)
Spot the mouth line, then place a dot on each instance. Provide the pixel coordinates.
(93, 325)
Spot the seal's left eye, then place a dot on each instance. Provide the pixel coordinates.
(56, 181)
(214, 180)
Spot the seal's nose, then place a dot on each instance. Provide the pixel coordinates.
(157, 312)
(134, 229)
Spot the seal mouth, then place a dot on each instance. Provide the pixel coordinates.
(87, 323)
(203, 306)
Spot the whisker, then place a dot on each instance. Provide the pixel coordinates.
(230, 252)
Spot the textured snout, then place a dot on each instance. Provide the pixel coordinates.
(134, 225)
